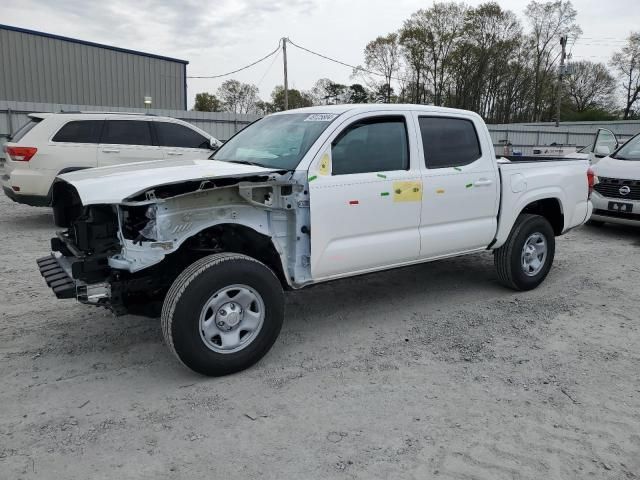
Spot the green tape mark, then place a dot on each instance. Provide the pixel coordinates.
(469, 185)
(311, 179)
(384, 194)
(457, 168)
(381, 175)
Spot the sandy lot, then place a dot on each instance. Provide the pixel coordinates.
(434, 371)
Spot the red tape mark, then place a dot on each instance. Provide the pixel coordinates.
(354, 202)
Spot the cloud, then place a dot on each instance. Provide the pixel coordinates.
(173, 27)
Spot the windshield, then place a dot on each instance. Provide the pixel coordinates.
(277, 141)
(630, 150)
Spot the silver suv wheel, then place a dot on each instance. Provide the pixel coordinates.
(232, 318)
(534, 254)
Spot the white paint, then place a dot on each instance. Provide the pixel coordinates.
(115, 184)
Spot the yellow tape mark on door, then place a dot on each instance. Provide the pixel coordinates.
(408, 191)
(325, 165)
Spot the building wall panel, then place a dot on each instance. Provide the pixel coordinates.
(43, 68)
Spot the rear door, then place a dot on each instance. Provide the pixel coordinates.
(180, 141)
(365, 192)
(75, 144)
(127, 141)
(461, 185)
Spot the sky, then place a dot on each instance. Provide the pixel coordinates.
(222, 35)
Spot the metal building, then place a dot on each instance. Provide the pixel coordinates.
(40, 67)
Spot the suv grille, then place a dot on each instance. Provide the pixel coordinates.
(610, 187)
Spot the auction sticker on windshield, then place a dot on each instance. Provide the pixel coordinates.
(320, 117)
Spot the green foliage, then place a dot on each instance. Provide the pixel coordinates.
(626, 65)
(238, 97)
(207, 102)
(297, 99)
(358, 94)
(589, 114)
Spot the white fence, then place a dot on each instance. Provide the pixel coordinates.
(222, 125)
(525, 136)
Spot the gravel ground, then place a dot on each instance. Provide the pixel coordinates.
(433, 371)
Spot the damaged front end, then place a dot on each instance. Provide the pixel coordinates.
(125, 256)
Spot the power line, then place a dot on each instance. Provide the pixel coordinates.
(277, 55)
(240, 69)
(340, 62)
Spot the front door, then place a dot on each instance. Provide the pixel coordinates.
(126, 141)
(461, 186)
(365, 191)
(604, 144)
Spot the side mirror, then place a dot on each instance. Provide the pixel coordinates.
(214, 144)
(603, 150)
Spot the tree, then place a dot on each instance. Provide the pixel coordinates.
(265, 108)
(238, 97)
(414, 50)
(549, 21)
(327, 92)
(590, 86)
(382, 56)
(207, 102)
(357, 94)
(383, 93)
(297, 99)
(626, 64)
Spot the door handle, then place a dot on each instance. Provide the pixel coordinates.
(174, 153)
(483, 182)
(110, 150)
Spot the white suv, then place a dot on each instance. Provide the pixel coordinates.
(55, 143)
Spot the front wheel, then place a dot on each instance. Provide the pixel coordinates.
(223, 314)
(525, 259)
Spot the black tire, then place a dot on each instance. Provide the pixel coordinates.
(595, 223)
(508, 258)
(194, 287)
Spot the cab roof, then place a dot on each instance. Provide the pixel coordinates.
(368, 107)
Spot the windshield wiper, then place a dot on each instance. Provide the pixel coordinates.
(243, 162)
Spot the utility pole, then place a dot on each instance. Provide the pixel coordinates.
(563, 55)
(286, 80)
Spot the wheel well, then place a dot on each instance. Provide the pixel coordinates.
(235, 238)
(550, 209)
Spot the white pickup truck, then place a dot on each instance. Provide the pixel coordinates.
(298, 198)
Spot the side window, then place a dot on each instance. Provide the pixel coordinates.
(449, 142)
(127, 132)
(80, 131)
(372, 145)
(176, 135)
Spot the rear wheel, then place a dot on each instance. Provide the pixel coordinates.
(223, 314)
(525, 259)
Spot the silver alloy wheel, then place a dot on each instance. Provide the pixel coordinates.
(534, 254)
(232, 318)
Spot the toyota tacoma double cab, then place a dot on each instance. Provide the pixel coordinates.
(295, 199)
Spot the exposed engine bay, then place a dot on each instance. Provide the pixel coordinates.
(127, 255)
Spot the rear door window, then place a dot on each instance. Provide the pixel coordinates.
(127, 132)
(80, 131)
(176, 135)
(449, 142)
